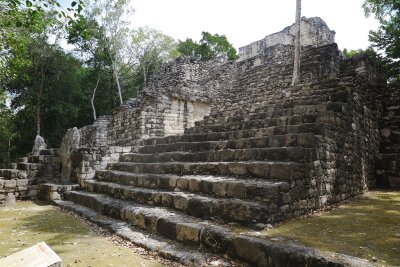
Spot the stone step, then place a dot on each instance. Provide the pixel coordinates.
(200, 206)
(307, 128)
(170, 249)
(328, 117)
(220, 186)
(184, 146)
(254, 169)
(261, 103)
(211, 236)
(273, 110)
(23, 159)
(13, 174)
(300, 154)
(292, 119)
(291, 108)
(12, 165)
(50, 152)
(27, 166)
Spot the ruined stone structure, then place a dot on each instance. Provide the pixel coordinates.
(211, 146)
(314, 32)
(23, 179)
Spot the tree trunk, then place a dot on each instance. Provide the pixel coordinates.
(115, 70)
(144, 75)
(92, 100)
(296, 69)
(39, 101)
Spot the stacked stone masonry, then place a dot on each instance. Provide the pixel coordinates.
(22, 178)
(210, 146)
(388, 162)
(260, 152)
(314, 32)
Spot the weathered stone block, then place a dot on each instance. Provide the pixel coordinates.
(188, 232)
(22, 182)
(236, 190)
(10, 184)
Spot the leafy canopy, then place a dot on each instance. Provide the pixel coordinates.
(209, 47)
(387, 37)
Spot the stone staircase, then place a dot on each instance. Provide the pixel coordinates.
(224, 176)
(21, 178)
(269, 153)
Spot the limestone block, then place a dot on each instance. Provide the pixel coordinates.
(237, 169)
(10, 183)
(22, 183)
(181, 202)
(219, 188)
(70, 142)
(236, 190)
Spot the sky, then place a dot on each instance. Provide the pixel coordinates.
(244, 22)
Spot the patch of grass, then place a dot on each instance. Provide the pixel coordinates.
(367, 227)
(30, 223)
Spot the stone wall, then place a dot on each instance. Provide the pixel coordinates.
(22, 178)
(156, 117)
(95, 135)
(85, 161)
(267, 76)
(356, 140)
(314, 32)
(388, 163)
(177, 96)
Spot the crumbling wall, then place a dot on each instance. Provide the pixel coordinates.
(177, 96)
(349, 146)
(388, 163)
(85, 150)
(95, 135)
(156, 117)
(87, 160)
(266, 78)
(21, 179)
(314, 32)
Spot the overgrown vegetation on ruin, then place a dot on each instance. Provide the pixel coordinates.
(45, 89)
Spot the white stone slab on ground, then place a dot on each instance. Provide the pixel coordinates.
(39, 255)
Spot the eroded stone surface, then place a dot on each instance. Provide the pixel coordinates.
(70, 142)
(38, 145)
(235, 143)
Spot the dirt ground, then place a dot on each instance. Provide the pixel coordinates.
(76, 241)
(368, 227)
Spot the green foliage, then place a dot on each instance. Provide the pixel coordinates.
(63, 101)
(387, 37)
(209, 47)
(34, 9)
(385, 64)
(6, 132)
(149, 49)
(52, 90)
(352, 53)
